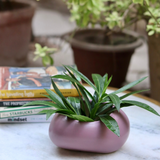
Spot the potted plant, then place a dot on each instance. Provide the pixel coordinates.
(89, 122)
(152, 17)
(15, 31)
(101, 44)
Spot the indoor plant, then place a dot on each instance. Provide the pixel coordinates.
(89, 122)
(15, 31)
(107, 47)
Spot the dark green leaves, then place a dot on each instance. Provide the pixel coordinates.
(115, 100)
(111, 124)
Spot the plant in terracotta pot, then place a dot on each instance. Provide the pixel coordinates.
(152, 17)
(101, 39)
(89, 122)
(15, 32)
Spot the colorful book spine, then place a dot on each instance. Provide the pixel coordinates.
(7, 112)
(30, 82)
(27, 119)
(19, 102)
(5, 94)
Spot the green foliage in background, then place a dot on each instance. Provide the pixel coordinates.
(115, 14)
(88, 107)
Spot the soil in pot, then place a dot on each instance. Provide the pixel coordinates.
(96, 53)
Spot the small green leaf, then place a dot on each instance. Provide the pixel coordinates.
(98, 81)
(115, 100)
(111, 124)
(82, 118)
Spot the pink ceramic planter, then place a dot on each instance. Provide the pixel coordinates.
(88, 136)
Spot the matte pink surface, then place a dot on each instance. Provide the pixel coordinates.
(88, 136)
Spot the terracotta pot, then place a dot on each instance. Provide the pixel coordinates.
(98, 58)
(15, 33)
(154, 66)
(88, 136)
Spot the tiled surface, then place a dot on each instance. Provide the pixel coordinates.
(49, 22)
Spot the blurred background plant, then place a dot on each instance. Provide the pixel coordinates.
(115, 15)
(44, 53)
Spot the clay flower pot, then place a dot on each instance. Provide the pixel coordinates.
(88, 136)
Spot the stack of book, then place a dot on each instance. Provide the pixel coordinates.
(21, 85)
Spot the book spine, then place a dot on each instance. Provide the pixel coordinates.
(28, 119)
(15, 103)
(22, 111)
(5, 94)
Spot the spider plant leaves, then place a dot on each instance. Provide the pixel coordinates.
(106, 83)
(104, 108)
(75, 102)
(55, 98)
(48, 113)
(141, 105)
(98, 81)
(66, 103)
(83, 77)
(74, 81)
(130, 93)
(115, 100)
(82, 118)
(128, 86)
(111, 124)
(42, 103)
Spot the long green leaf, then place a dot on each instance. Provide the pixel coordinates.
(55, 98)
(82, 118)
(86, 99)
(130, 93)
(105, 107)
(83, 77)
(115, 100)
(67, 104)
(98, 81)
(106, 85)
(129, 86)
(75, 102)
(43, 103)
(142, 105)
(111, 124)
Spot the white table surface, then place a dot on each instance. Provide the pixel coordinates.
(30, 141)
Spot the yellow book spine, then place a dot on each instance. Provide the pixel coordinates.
(5, 94)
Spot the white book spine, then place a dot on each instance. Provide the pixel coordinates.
(21, 111)
(27, 119)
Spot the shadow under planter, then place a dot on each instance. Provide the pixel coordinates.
(15, 32)
(93, 54)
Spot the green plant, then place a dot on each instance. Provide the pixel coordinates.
(115, 15)
(87, 107)
(44, 53)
